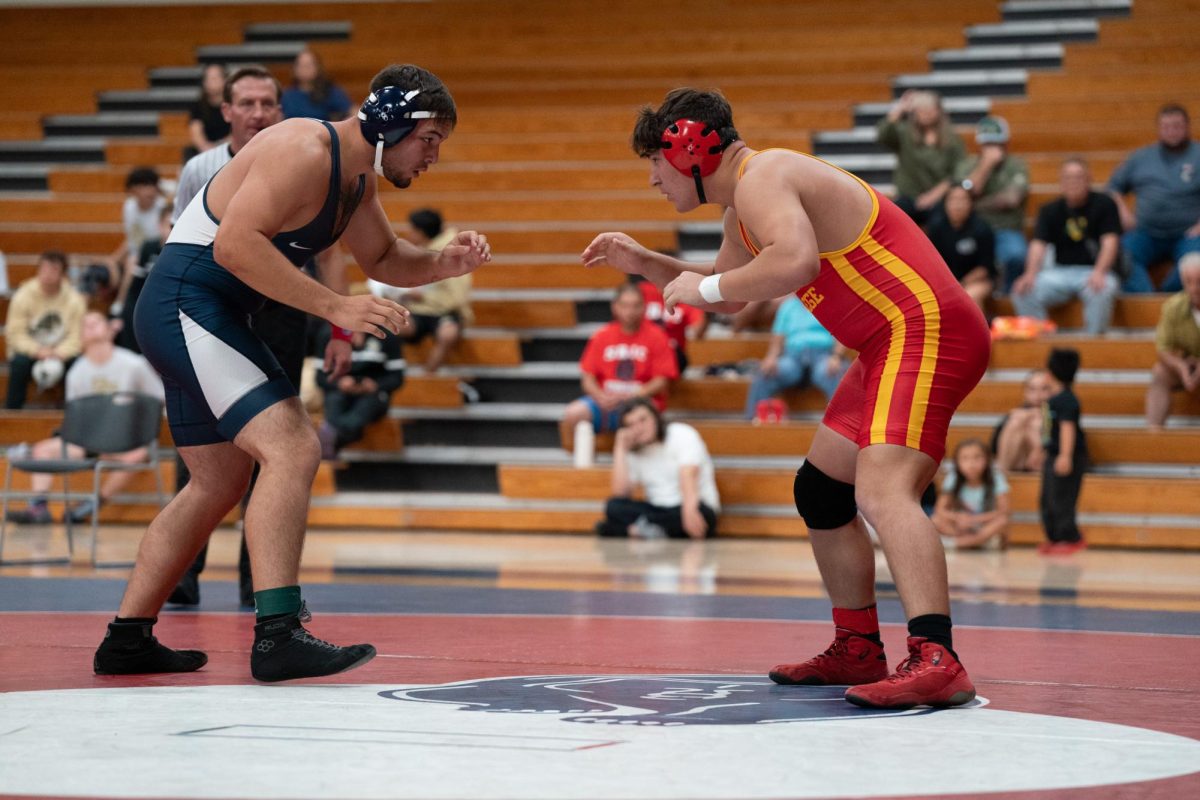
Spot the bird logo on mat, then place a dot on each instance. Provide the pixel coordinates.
(647, 699)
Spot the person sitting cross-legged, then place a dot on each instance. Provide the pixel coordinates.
(103, 368)
(671, 463)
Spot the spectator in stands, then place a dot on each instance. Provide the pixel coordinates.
(134, 278)
(686, 323)
(441, 310)
(312, 93)
(139, 215)
(1178, 343)
(1017, 441)
(671, 463)
(1165, 180)
(999, 183)
(103, 369)
(355, 400)
(43, 328)
(972, 508)
(927, 151)
(801, 353)
(1066, 457)
(967, 244)
(207, 126)
(1075, 247)
(627, 358)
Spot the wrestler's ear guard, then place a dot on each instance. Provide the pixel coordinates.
(693, 148)
(387, 116)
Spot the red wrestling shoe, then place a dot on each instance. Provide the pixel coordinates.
(930, 676)
(849, 661)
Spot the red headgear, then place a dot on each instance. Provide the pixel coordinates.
(691, 146)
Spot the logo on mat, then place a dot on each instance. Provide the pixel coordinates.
(646, 699)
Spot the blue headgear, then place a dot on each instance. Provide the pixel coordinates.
(387, 116)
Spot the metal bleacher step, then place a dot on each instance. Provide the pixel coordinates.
(52, 150)
(24, 177)
(323, 31)
(108, 123)
(965, 83)
(1038, 31)
(854, 141)
(163, 98)
(176, 77)
(261, 52)
(1026, 10)
(962, 110)
(1002, 56)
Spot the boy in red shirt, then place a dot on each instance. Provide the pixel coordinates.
(684, 323)
(628, 357)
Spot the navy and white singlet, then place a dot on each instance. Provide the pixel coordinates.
(193, 320)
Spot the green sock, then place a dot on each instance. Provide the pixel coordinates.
(277, 602)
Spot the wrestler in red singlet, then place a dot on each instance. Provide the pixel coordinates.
(890, 296)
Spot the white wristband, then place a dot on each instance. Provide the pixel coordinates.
(710, 289)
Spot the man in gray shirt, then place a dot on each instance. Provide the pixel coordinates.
(1165, 179)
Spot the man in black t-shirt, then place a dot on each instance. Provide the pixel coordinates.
(966, 242)
(1066, 456)
(1074, 250)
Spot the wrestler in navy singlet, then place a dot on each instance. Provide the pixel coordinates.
(192, 319)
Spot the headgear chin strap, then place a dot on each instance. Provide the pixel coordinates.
(693, 148)
(384, 120)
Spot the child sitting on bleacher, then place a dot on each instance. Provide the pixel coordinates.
(972, 509)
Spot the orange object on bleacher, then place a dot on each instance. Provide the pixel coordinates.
(1020, 328)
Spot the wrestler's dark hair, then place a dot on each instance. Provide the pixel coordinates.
(707, 106)
(434, 95)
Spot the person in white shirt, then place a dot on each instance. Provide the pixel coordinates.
(672, 465)
(103, 368)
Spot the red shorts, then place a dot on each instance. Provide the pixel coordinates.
(904, 390)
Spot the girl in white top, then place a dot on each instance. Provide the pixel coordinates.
(972, 508)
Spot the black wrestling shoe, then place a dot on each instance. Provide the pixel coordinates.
(284, 651)
(130, 648)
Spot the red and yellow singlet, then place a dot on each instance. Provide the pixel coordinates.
(923, 343)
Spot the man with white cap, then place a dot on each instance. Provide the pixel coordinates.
(999, 184)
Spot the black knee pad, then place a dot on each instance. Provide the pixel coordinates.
(823, 503)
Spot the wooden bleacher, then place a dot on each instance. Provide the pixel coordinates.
(541, 163)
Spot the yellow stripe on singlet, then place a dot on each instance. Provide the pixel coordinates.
(891, 367)
(933, 324)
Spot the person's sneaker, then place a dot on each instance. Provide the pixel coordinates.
(81, 512)
(35, 514)
(1045, 548)
(849, 661)
(1068, 548)
(186, 592)
(930, 676)
(284, 651)
(132, 649)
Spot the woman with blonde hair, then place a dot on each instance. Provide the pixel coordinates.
(927, 150)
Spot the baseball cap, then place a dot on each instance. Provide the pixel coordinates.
(991, 130)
